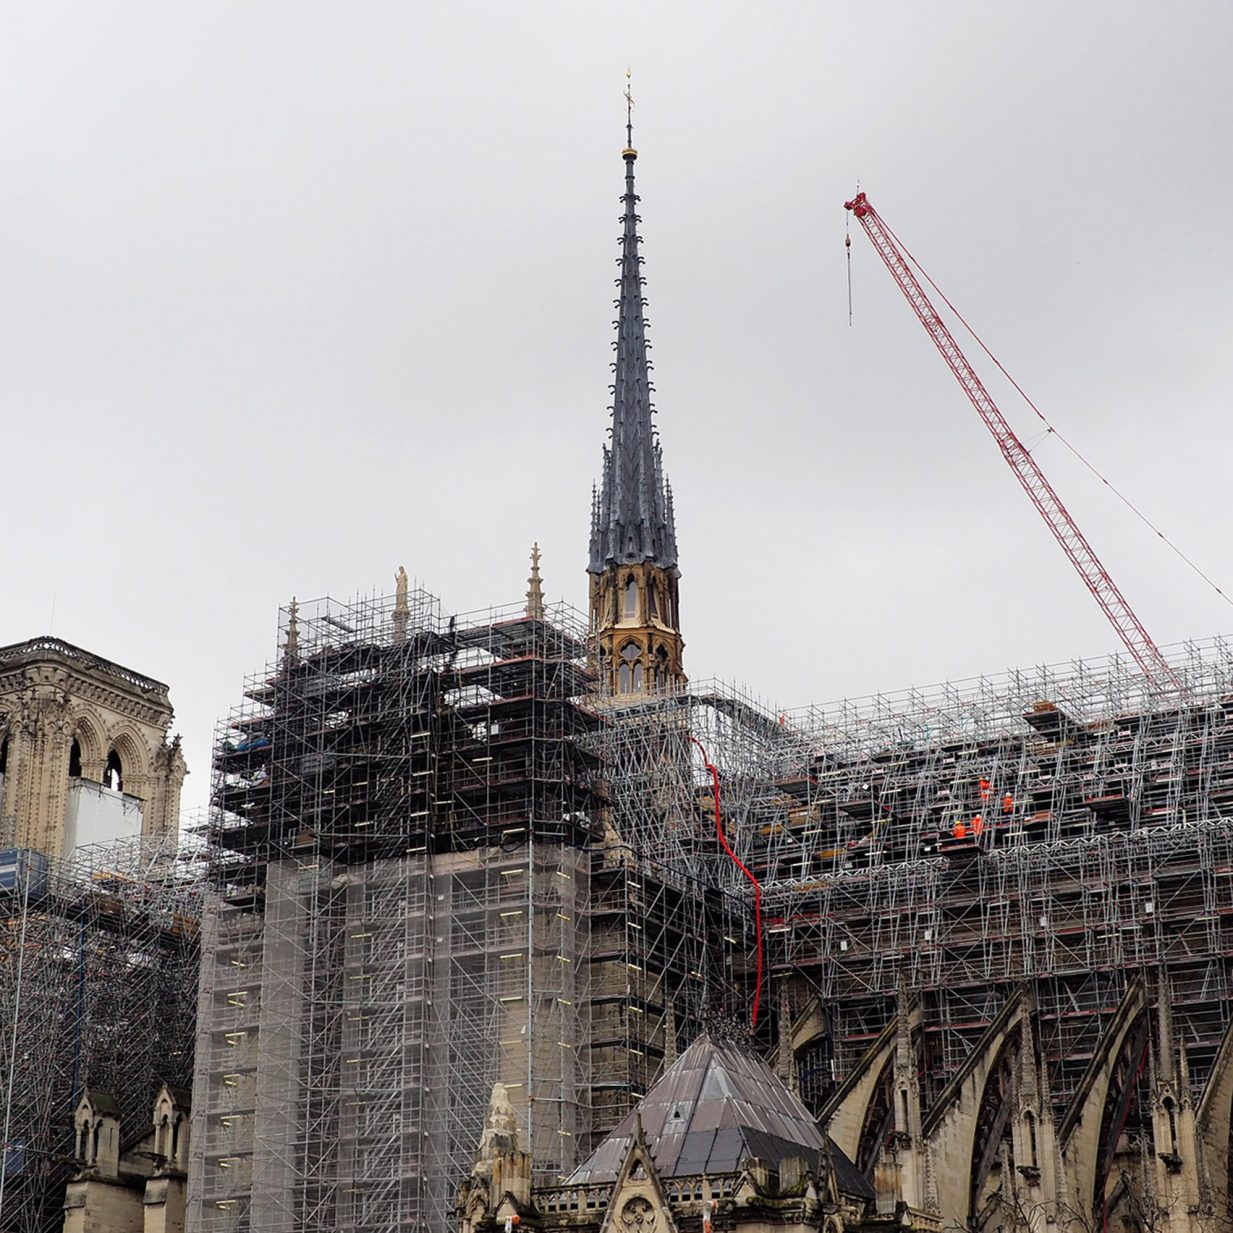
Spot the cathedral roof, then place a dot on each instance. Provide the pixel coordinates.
(716, 1106)
(631, 515)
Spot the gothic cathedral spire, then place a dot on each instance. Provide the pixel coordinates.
(633, 561)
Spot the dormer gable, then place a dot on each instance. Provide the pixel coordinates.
(638, 1203)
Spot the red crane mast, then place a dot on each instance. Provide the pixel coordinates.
(1027, 471)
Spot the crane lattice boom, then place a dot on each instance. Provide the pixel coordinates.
(1027, 471)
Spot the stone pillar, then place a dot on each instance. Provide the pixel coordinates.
(1174, 1177)
(1033, 1135)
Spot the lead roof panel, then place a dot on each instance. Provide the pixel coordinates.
(715, 1107)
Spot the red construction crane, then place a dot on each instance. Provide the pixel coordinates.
(1027, 471)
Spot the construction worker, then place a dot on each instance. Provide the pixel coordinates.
(961, 830)
(978, 826)
(984, 789)
(1008, 803)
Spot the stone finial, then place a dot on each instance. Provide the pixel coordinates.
(402, 606)
(500, 1137)
(535, 596)
(291, 651)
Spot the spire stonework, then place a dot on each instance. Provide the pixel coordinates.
(633, 559)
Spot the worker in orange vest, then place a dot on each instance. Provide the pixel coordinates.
(978, 826)
(984, 789)
(960, 831)
(1008, 803)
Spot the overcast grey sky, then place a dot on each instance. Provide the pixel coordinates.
(296, 292)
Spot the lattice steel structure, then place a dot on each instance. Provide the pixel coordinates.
(98, 985)
(442, 857)
(400, 812)
(1055, 827)
(420, 889)
(671, 932)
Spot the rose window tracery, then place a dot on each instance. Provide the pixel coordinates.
(637, 1215)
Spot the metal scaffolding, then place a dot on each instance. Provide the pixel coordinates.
(404, 810)
(442, 859)
(671, 931)
(98, 976)
(1056, 828)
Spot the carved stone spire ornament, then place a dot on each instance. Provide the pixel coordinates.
(500, 1135)
(291, 649)
(535, 593)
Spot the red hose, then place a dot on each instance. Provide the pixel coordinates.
(736, 860)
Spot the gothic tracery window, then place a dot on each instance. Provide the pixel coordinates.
(629, 675)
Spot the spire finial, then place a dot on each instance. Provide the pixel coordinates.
(629, 152)
(535, 596)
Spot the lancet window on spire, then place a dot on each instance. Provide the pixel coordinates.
(631, 597)
(629, 675)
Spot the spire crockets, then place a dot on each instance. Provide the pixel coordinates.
(632, 517)
(633, 560)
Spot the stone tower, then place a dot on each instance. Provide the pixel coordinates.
(84, 750)
(633, 560)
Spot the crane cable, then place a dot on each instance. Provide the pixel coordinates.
(1049, 428)
(736, 860)
(847, 243)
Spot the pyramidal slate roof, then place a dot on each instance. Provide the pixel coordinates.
(716, 1106)
(631, 515)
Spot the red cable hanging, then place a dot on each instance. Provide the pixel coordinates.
(736, 860)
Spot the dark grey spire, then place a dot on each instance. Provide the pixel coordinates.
(631, 521)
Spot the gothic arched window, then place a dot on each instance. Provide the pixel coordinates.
(652, 600)
(631, 597)
(629, 675)
(75, 759)
(113, 775)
